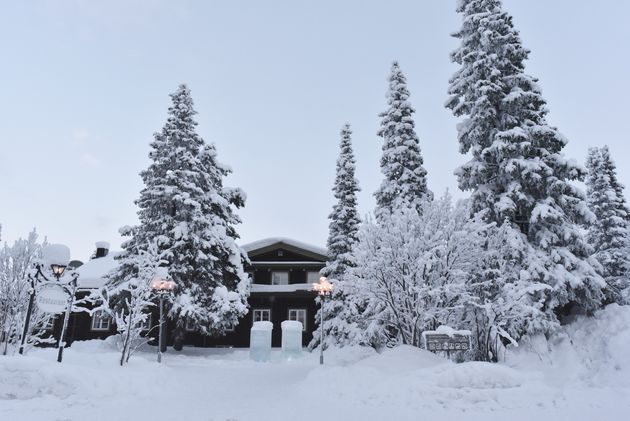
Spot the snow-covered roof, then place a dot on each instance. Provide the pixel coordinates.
(92, 273)
(446, 330)
(267, 242)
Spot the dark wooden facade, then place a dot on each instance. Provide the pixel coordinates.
(295, 263)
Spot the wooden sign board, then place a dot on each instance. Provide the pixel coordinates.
(440, 342)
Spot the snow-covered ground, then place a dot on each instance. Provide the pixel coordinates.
(584, 374)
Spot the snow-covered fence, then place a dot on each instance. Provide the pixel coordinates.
(260, 341)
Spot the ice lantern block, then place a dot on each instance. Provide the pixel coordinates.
(291, 339)
(260, 341)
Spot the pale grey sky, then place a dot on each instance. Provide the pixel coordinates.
(86, 83)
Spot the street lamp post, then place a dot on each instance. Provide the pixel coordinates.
(64, 329)
(163, 286)
(57, 256)
(323, 289)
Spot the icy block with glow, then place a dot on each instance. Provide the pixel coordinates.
(291, 339)
(260, 341)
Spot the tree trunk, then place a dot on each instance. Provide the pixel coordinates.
(178, 337)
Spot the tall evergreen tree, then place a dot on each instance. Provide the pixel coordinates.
(187, 210)
(609, 233)
(344, 218)
(517, 171)
(611, 170)
(401, 163)
(342, 235)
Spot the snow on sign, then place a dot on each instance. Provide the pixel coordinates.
(446, 339)
(52, 299)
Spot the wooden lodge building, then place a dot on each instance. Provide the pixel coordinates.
(282, 272)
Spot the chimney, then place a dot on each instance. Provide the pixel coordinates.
(102, 248)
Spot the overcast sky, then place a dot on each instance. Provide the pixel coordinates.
(85, 84)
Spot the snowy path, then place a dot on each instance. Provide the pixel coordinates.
(578, 377)
(402, 384)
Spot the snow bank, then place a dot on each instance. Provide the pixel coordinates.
(582, 375)
(591, 350)
(28, 378)
(476, 375)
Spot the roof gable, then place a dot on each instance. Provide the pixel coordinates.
(266, 248)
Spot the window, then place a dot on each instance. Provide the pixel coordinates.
(312, 277)
(230, 329)
(279, 278)
(262, 315)
(146, 325)
(100, 321)
(298, 314)
(190, 325)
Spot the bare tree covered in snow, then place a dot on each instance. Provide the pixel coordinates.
(129, 299)
(412, 270)
(17, 262)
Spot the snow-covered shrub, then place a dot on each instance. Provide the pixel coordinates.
(17, 263)
(128, 298)
(412, 271)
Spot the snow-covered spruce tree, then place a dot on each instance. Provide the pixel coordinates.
(401, 163)
(517, 171)
(340, 314)
(609, 233)
(504, 295)
(16, 263)
(411, 271)
(185, 207)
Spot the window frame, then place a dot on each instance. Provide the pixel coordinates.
(280, 271)
(298, 309)
(262, 310)
(317, 276)
(100, 317)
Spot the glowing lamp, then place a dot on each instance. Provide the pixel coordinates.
(323, 287)
(163, 285)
